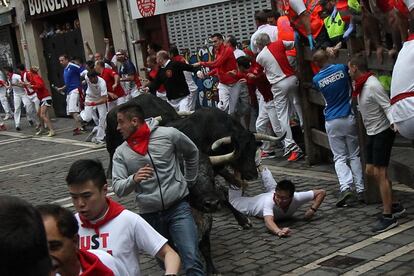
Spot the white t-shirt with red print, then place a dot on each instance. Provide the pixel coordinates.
(123, 237)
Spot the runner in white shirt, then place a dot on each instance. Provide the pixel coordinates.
(31, 94)
(95, 100)
(19, 96)
(67, 259)
(402, 90)
(285, 85)
(3, 97)
(106, 225)
(262, 27)
(279, 201)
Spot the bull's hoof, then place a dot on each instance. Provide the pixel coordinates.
(245, 223)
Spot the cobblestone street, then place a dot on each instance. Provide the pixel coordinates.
(338, 241)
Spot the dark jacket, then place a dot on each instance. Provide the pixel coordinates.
(173, 78)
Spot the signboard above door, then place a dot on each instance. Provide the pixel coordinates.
(41, 8)
(147, 8)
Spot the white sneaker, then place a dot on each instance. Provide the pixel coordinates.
(7, 117)
(90, 135)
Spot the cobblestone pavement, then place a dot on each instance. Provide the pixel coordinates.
(35, 169)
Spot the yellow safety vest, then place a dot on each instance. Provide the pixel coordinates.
(334, 27)
(354, 5)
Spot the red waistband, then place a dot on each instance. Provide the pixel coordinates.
(401, 96)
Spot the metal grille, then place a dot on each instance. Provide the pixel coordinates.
(191, 28)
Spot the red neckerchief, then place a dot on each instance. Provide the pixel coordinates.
(91, 265)
(2, 83)
(9, 75)
(410, 37)
(114, 209)
(139, 140)
(359, 83)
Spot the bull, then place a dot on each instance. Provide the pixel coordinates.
(221, 141)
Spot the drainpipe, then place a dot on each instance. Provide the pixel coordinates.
(122, 21)
(20, 18)
(127, 20)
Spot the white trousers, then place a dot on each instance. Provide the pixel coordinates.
(18, 99)
(296, 107)
(180, 104)
(267, 114)
(162, 96)
(87, 115)
(406, 128)
(281, 91)
(4, 102)
(228, 97)
(34, 108)
(192, 98)
(251, 205)
(117, 102)
(343, 140)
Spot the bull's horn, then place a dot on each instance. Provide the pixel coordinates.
(221, 141)
(222, 159)
(265, 137)
(185, 113)
(158, 118)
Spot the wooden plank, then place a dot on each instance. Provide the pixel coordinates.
(320, 138)
(310, 113)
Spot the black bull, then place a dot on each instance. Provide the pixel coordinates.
(203, 127)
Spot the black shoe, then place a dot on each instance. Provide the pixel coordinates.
(31, 123)
(344, 196)
(398, 210)
(361, 197)
(18, 128)
(385, 224)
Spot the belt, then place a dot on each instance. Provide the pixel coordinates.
(401, 96)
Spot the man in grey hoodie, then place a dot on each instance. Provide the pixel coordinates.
(148, 162)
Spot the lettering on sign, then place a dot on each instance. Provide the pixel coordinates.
(39, 7)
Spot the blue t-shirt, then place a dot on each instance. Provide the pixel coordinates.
(335, 85)
(71, 76)
(127, 68)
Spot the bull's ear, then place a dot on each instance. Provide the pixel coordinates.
(259, 143)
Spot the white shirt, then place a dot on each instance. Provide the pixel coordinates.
(298, 6)
(402, 81)
(375, 107)
(271, 209)
(95, 90)
(267, 29)
(238, 53)
(110, 262)
(16, 79)
(409, 4)
(273, 69)
(123, 237)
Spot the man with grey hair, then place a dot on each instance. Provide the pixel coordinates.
(272, 57)
(171, 74)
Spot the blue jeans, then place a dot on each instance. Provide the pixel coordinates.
(178, 226)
